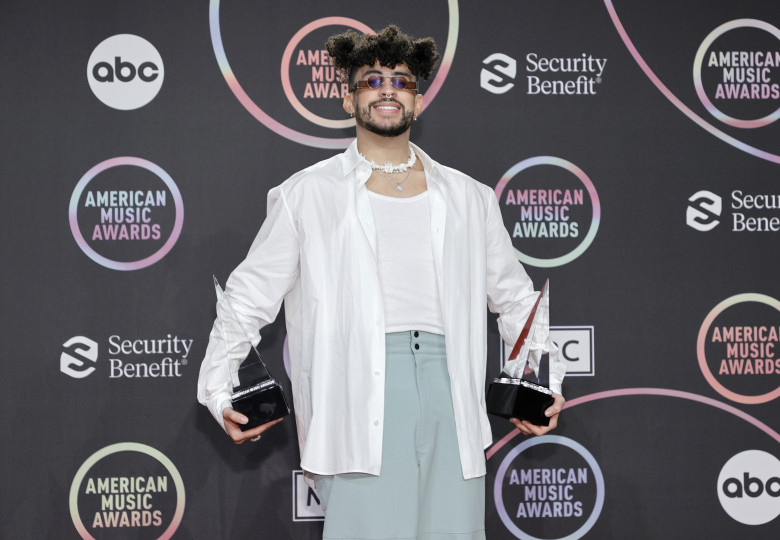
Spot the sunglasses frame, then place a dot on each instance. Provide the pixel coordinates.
(409, 86)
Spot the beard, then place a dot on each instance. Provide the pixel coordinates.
(364, 120)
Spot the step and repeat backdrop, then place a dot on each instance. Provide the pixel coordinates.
(634, 148)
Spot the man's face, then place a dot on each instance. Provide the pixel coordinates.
(386, 111)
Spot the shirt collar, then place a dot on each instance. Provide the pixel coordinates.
(432, 168)
(351, 158)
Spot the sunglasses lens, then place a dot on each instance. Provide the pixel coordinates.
(374, 82)
(399, 83)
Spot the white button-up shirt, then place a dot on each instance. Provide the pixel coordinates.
(316, 251)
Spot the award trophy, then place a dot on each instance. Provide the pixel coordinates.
(254, 392)
(512, 396)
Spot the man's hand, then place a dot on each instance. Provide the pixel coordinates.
(232, 421)
(527, 428)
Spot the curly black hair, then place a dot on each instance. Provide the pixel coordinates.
(351, 50)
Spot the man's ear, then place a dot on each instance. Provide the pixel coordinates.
(347, 104)
(418, 105)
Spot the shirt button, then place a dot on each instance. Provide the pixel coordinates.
(376, 373)
(416, 334)
(376, 422)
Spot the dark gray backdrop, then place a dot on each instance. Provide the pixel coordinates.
(645, 284)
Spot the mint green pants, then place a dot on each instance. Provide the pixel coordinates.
(420, 493)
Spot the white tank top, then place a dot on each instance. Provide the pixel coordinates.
(405, 262)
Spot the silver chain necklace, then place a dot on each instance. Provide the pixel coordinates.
(398, 183)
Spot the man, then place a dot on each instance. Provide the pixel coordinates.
(386, 262)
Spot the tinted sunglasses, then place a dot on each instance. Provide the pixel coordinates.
(376, 81)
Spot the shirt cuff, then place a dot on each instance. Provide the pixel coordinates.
(217, 406)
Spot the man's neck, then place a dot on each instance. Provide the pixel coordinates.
(383, 149)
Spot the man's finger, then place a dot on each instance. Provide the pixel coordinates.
(235, 416)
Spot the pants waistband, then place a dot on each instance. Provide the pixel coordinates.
(414, 341)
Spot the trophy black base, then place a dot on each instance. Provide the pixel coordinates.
(521, 399)
(260, 403)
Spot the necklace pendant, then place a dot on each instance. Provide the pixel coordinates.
(399, 187)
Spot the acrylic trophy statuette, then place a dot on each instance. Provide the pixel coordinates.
(254, 392)
(511, 395)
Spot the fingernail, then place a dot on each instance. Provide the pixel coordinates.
(548, 413)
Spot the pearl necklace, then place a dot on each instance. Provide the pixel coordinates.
(389, 168)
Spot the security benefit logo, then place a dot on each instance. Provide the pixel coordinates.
(704, 209)
(127, 358)
(577, 75)
(749, 487)
(78, 358)
(738, 348)
(126, 213)
(742, 212)
(549, 487)
(127, 490)
(498, 73)
(551, 210)
(125, 72)
(736, 73)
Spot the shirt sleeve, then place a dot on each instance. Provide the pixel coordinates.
(510, 291)
(255, 289)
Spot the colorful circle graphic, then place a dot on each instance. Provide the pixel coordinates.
(594, 197)
(118, 162)
(548, 439)
(699, 60)
(629, 392)
(287, 56)
(701, 352)
(127, 447)
(752, 150)
(304, 138)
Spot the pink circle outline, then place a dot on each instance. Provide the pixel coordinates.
(287, 56)
(702, 357)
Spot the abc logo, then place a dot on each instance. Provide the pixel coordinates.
(749, 487)
(125, 72)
